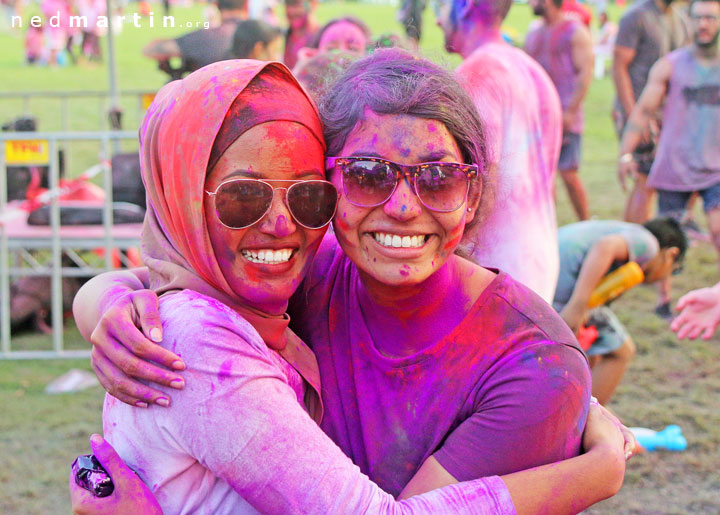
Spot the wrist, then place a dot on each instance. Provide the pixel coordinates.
(626, 158)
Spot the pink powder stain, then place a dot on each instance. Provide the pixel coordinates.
(431, 127)
(225, 369)
(342, 224)
(405, 270)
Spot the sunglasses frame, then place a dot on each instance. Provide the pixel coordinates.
(267, 182)
(406, 171)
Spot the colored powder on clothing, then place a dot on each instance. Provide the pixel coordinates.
(501, 408)
(524, 126)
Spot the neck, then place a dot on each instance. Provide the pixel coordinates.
(477, 35)
(707, 52)
(404, 320)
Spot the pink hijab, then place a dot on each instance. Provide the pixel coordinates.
(190, 124)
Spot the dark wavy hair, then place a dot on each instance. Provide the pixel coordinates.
(394, 81)
(669, 234)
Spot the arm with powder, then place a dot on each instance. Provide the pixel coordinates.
(639, 121)
(583, 60)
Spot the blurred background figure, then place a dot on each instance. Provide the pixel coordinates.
(302, 28)
(573, 10)
(91, 33)
(686, 84)
(264, 10)
(648, 30)
(318, 73)
(348, 35)
(522, 114)
(201, 47)
(604, 43)
(410, 15)
(564, 48)
(255, 39)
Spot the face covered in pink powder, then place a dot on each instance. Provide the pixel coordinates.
(343, 36)
(405, 140)
(283, 151)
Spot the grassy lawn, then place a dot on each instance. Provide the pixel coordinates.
(669, 381)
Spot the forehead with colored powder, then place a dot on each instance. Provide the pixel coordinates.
(342, 34)
(402, 138)
(272, 150)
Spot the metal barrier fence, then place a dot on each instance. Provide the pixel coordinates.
(142, 101)
(42, 148)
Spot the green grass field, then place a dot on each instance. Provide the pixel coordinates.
(669, 381)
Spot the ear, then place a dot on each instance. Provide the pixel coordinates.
(673, 252)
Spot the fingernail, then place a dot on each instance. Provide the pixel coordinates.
(95, 438)
(627, 455)
(162, 401)
(141, 404)
(177, 383)
(155, 334)
(178, 365)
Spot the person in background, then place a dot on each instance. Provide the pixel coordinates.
(604, 43)
(564, 48)
(410, 16)
(348, 35)
(518, 234)
(255, 39)
(302, 28)
(589, 251)
(647, 31)
(699, 313)
(574, 10)
(203, 46)
(686, 83)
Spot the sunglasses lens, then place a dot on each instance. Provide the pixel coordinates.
(442, 188)
(312, 203)
(367, 183)
(242, 203)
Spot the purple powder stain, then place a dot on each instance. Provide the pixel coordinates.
(403, 208)
(374, 139)
(225, 370)
(281, 225)
(405, 152)
(404, 271)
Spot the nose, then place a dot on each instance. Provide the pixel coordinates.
(403, 205)
(278, 222)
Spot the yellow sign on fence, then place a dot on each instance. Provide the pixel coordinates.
(27, 152)
(147, 99)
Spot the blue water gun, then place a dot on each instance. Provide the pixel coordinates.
(670, 438)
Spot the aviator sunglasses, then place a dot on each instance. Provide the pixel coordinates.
(370, 181)
(240, 203)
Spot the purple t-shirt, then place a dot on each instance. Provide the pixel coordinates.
(506, 390)
(551, 46)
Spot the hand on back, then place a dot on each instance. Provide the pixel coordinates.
(125, 349)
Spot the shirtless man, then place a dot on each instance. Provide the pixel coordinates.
(519, 234)
(564, 48)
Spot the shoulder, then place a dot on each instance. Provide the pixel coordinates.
(524, 318)
(198, 324)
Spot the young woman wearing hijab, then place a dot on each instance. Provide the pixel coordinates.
(432, 368)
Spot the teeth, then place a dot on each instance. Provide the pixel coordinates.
(268, 256)
(397, 241)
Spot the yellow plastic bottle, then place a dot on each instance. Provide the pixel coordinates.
(616, 283)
